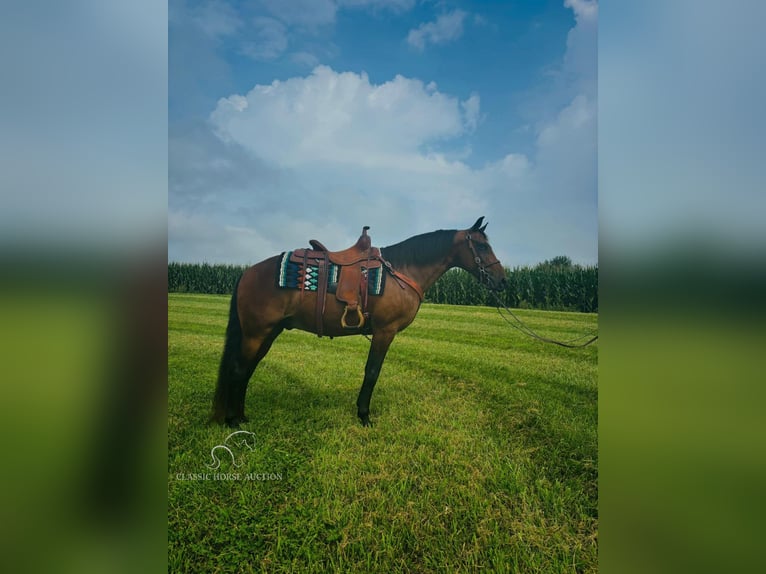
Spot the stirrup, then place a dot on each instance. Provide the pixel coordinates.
(346, 325)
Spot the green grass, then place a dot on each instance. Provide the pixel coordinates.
(482, 457)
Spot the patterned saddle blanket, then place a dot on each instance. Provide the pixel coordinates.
(297, 272)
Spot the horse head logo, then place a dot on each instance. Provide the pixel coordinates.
(241, 439)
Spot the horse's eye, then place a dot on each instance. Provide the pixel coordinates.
(483, 247)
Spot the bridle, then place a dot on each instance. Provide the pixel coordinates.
(483, 273)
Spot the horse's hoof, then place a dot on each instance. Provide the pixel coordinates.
(365, 420)
(233, 422)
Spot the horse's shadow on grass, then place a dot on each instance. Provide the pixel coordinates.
(286, 411)
(278, 400)
(295, 402)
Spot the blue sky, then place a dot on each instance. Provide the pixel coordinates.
(403, 115)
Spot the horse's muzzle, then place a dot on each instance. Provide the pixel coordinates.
(497, 285)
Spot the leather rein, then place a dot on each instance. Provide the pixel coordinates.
(485, 276)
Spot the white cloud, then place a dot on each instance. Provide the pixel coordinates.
(445, 28)
(198, 237)
(553, 198)
(269, 40)
(575, 116)
(342, 118)
(321, 155)
(513, 165)
(583, 9)
(580, 65)
(329, 139)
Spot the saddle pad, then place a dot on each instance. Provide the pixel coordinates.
(293, 275)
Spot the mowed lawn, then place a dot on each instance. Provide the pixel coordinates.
(482, 457)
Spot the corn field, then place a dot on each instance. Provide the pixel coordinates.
(559, 289)
(203, 278)
(556, 285)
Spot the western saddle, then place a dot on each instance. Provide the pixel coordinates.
(351, 289)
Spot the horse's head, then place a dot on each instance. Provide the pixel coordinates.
(475, 255)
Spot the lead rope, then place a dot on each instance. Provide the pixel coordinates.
(484, 275)
(527, 331)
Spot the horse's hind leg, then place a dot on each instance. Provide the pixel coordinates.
(254, 349)
(240, 358)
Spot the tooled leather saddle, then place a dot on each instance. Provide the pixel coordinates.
(354, 264)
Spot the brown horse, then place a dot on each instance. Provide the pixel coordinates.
(260, 310)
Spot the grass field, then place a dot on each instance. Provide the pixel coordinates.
(482, 457)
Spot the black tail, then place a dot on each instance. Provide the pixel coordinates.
(232, 350)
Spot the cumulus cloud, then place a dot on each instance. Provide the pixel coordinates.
(446, 28)
(241, 183)
(342, 118)
(358, 149)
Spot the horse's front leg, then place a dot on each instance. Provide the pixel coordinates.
(378, 349)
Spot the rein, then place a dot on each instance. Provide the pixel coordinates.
(484, 275)
(527, 331)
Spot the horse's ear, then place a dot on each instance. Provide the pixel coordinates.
(477, 224)
(483, 227)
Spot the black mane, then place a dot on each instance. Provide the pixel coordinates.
(420, 249)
